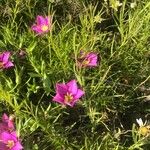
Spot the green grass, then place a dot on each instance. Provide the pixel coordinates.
(105, 118)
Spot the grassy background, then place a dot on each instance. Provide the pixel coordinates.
(117, 91)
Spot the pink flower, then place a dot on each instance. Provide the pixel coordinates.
(4, 60)
(9, 141)
(7, 123)
(89, 59)
(68, 94)
(43, 25)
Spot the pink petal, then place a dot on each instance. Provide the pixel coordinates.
(41, 20)
(37, 29)
(2, 146)
(92, 64)
(58, 99)
(14, 134)
(11, 125)
(72, 87)
(61, 89)
(92, 55)
(70, 104)
(5, 117)
(7, 122)
(17, 146)
(6, 56)
(8, 64)
(48, 20)
(79, 94)
(5, 136)
(93, 59)
(2, 127)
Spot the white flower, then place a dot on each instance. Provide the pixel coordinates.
(115, 4)
(133, 5)
(97, 19)
(140, 122)
(118, 3)
(144, 129)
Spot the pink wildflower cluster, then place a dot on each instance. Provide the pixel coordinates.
(8, 136)
(69, 93)
(66, 94)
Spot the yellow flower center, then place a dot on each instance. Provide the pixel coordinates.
(10, 144)
(68, 97)
(143, 130)
(86, 62)
(44, 28)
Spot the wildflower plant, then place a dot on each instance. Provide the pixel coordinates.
(68, 94)
(8, 136)
(43, 25)
(49, 70)
(9, 141)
